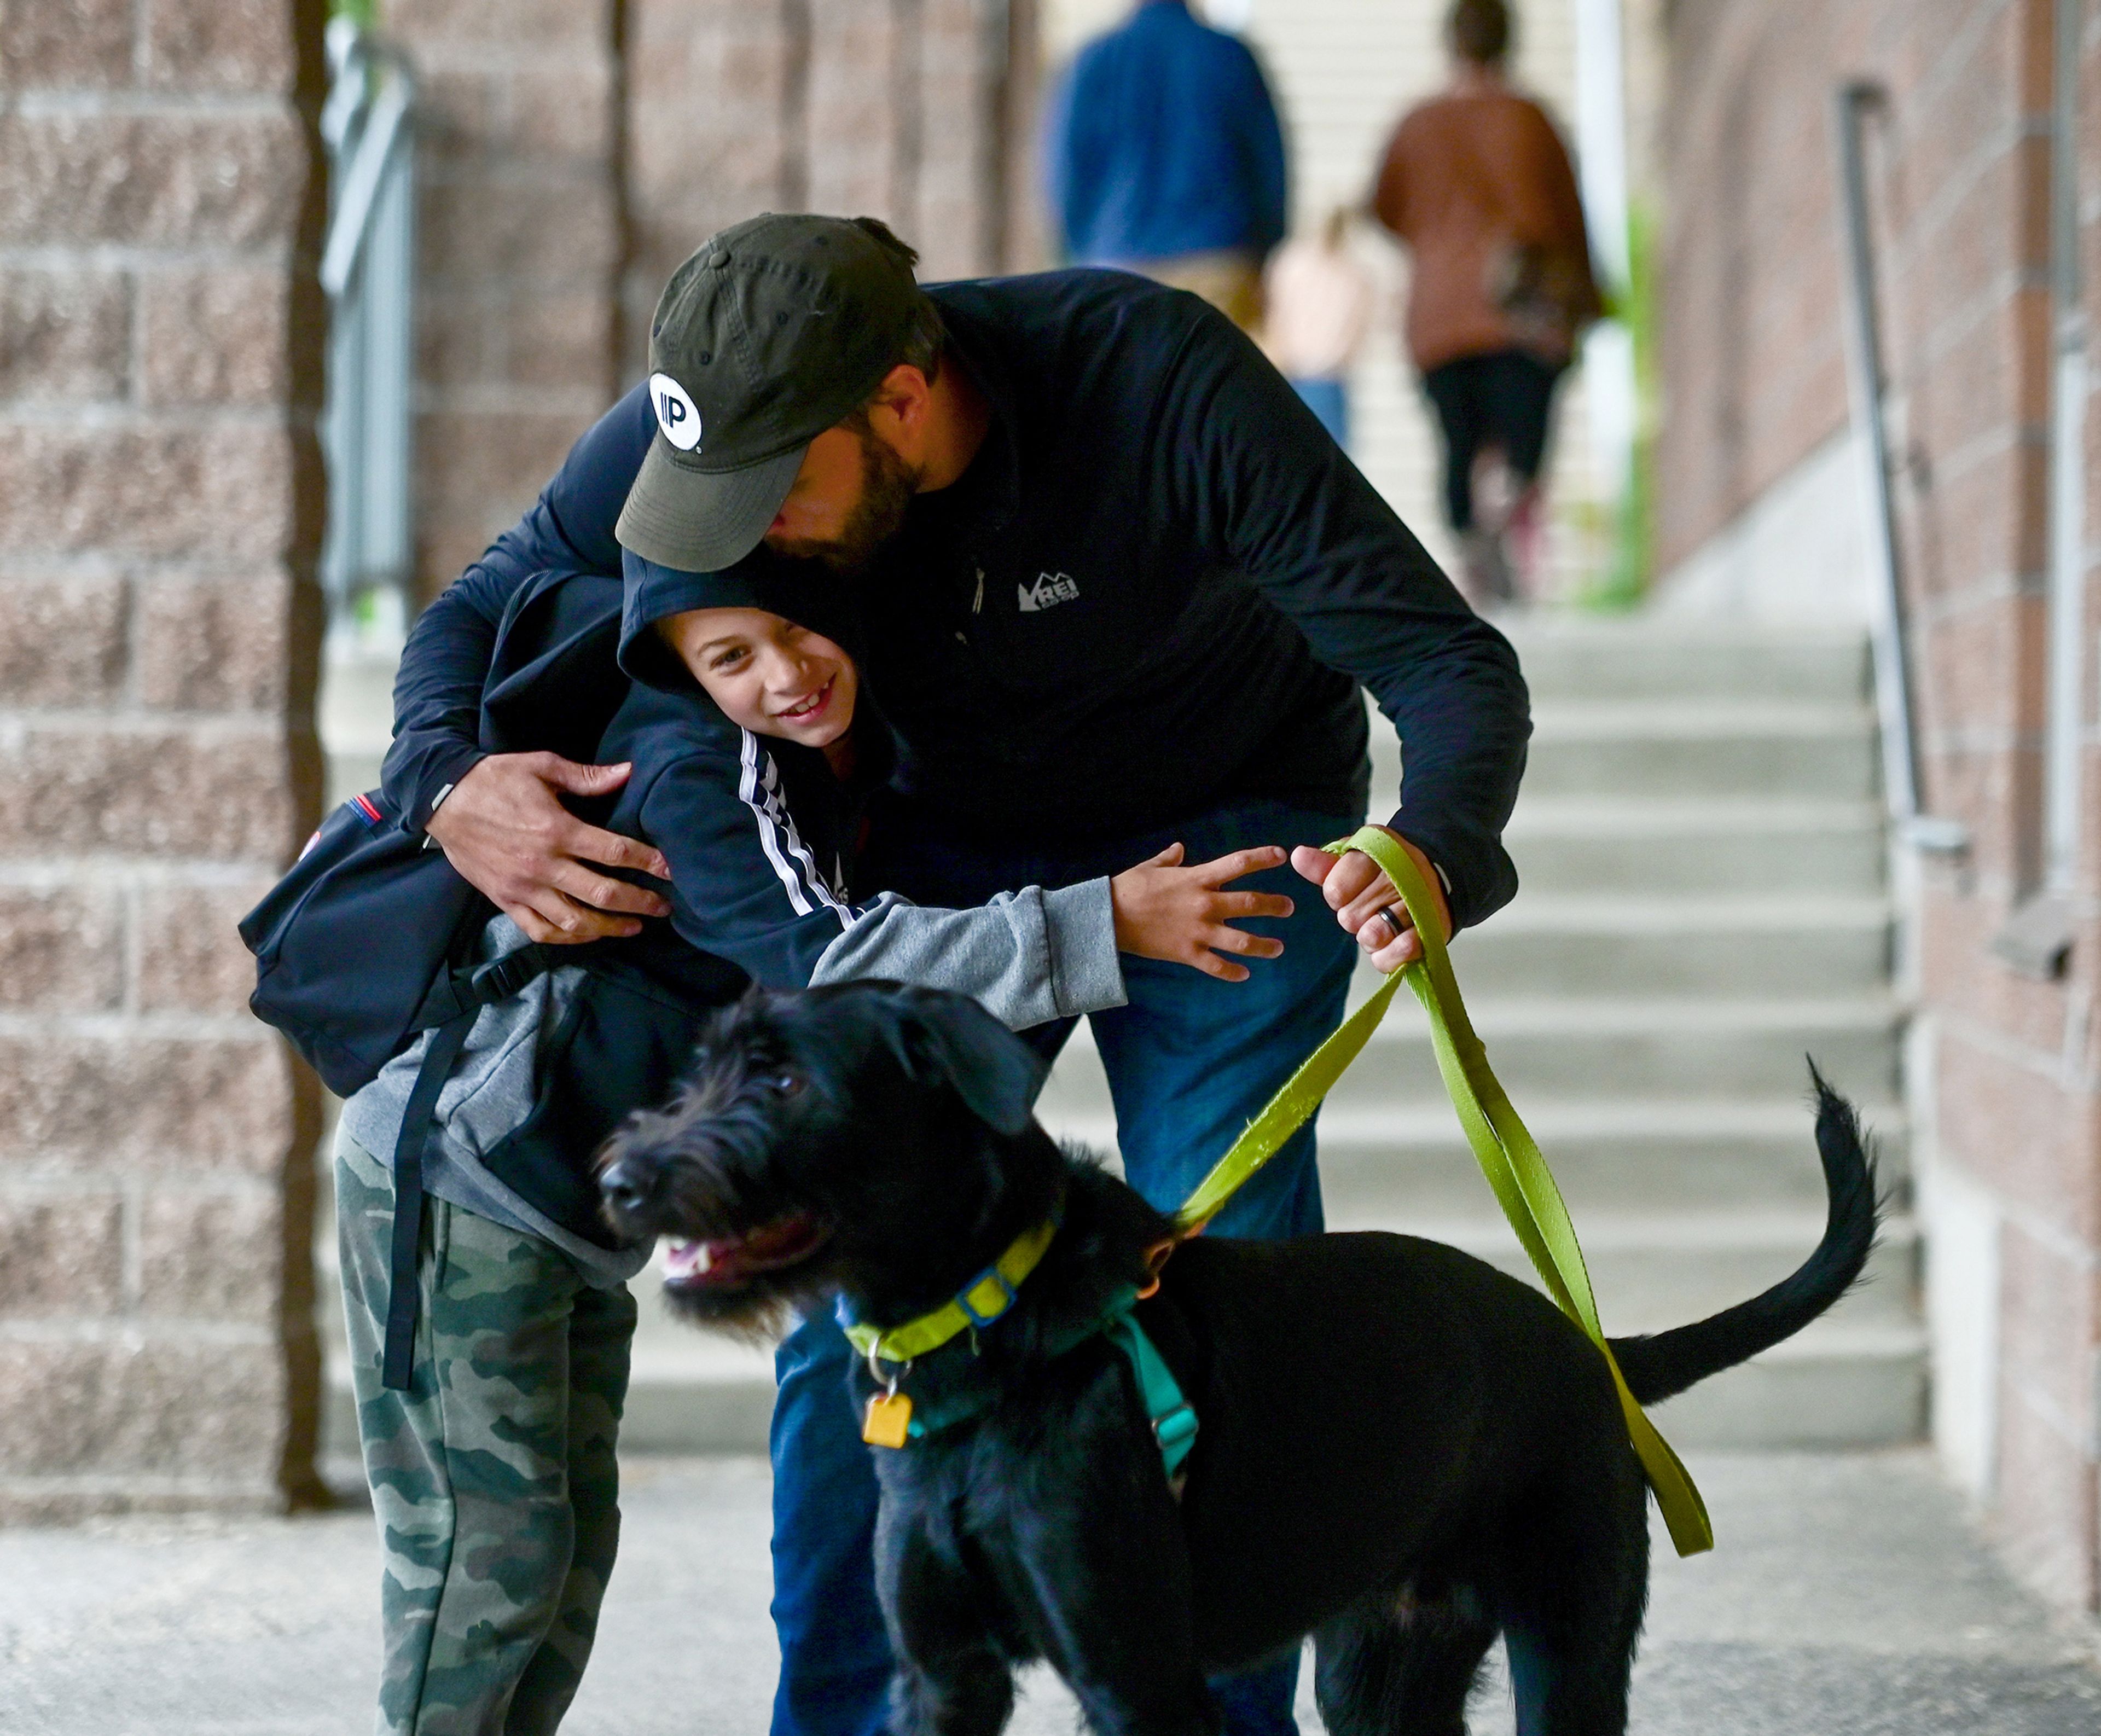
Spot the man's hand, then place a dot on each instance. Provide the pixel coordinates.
(1179, 914)
(504, 830)
(1356, 889)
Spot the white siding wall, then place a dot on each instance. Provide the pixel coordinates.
(1344, 71)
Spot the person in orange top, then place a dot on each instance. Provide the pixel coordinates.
(1479, 186)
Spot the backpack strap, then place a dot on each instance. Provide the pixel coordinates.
(449, 1012)
(457, 991)
(398, 1359)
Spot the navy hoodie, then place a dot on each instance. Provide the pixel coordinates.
(762, 836)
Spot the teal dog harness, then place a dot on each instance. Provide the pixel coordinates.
(892, 1418)
(1172, 1417)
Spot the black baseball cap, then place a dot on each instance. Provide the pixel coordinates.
(773, 331)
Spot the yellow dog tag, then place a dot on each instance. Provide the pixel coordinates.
(888, 1422)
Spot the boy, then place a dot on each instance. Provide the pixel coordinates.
(494, 1475)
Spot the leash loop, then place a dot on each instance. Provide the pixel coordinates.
(1509, 1158)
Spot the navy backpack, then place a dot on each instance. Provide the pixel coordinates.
(356, 948)
(370, 939)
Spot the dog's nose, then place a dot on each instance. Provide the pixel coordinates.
(626, 1186)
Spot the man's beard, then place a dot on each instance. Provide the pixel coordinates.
(887, 484)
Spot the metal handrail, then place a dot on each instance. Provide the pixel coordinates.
(2063, 748)
(361, 129)
(368, 270)
(1853, 102)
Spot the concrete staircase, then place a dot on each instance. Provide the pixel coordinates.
(1702, 860)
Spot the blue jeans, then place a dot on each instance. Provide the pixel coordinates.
(1189, 1061)
(1328, 400)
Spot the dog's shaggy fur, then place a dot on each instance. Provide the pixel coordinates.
(1402, 1452)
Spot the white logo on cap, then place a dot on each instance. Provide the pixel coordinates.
(676, 414)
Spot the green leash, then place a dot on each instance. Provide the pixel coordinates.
(1508, 1155)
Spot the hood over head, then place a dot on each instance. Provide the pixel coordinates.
(809, 594)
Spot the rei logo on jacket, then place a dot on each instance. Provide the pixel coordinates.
(1050, 589)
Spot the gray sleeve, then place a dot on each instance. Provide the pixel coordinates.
(1029, 955)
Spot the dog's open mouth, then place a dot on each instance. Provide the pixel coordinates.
(733, 1259)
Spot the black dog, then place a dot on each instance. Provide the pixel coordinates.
(1402, 1451)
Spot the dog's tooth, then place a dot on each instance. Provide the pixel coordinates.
(705, 1258)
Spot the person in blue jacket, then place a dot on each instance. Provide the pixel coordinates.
(1119, 590)
(493, 1467)
(1162, 154)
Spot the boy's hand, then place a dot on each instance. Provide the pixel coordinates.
(1179, 914)
(509, 836)
(1356, 889)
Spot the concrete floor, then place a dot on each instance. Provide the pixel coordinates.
(1847, 1597)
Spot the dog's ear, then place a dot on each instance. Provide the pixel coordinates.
(948, 1039)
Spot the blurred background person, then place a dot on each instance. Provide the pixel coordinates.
(1317, 304)
(1163, 155)
(1478, 186)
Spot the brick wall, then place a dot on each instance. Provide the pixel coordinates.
(900, 109)
(574, 152)
(521, 237)
(162, 205)
(160, 508)
(2010, 1067)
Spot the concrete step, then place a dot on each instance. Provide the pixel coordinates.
(1833, 1386)
(692, 1391)
(1688, 748)
(1732, 946)
(1844, 1381)
(1653, 1270)
(1404, 1167)
(1576, 845)
(1590, 1048)
(1642, 660)
(349, 774)
(355, 713)
(1830, 1387)
(682, 1399)
(688, 1391)
(676, 1403)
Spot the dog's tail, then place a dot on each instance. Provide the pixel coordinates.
(1658, 1367)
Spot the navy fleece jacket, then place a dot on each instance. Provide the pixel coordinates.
(1156, 588)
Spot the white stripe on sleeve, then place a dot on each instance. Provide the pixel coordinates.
(760, 786)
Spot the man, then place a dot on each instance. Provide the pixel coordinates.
(1119, 589)
(1164, 155)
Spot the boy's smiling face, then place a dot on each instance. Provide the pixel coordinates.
(767, 674)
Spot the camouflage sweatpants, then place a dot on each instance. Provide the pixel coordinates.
(492, 1478)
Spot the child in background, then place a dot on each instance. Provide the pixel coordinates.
(1319, 303)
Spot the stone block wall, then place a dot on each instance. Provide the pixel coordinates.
(162, 204)
(1754, 364)
(900, 109)
(161, 506)
(521, 235)
(574, 152)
